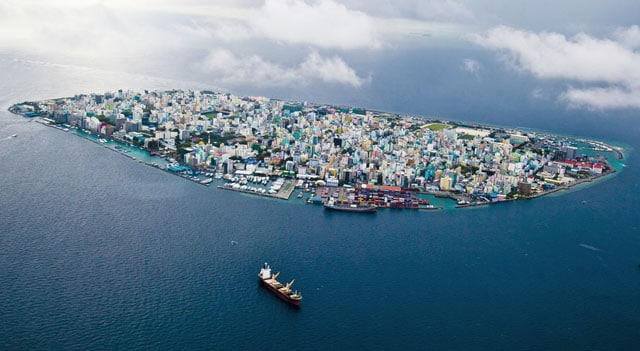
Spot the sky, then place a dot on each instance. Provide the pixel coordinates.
(571, 54)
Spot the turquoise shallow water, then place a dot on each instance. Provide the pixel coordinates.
(102, 252)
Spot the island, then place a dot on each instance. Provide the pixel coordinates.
(345, 155)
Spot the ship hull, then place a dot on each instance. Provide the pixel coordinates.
(357, 209)
(281, 296)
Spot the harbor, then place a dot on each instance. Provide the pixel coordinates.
(379, 197)
(281, 188)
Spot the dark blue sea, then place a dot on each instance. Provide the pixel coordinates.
(102, 252)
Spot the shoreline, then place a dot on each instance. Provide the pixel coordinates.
(541, 194)
(287, 191)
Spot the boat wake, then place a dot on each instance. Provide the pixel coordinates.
(589, 247)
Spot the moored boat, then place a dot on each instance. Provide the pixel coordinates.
(283, 292)
(349, 207)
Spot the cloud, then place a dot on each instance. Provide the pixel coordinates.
(581, 58)
(326, 24)
(333, 70)
(439, 10)
(471, 66)
(231, 69)
(630, 37)
(112, 32)
(91, 32)
(603, 98)
(323, 24)
(443, 10)
(112, 36)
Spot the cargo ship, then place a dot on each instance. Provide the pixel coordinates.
(283, 292)
(332, 205)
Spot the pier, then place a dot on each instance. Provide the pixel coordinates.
(283, 194)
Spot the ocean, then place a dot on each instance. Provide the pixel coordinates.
(103, 252)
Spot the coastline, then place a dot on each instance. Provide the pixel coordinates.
(462, 199)
(540, 194)
(133, 158)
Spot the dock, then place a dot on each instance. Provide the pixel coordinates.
(283, 194)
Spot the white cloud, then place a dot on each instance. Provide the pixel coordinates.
(252, 69)
(326, 24)
(471, 66)
(439, 10)
(333, 70)
(322, 24)
(112, 32)
(443, 10)
(580, 58)
(231, 69)
(603, 98)
(91, 33)
(112, 35)
(630, 37)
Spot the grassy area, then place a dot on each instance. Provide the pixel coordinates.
(466, 137)
(437, 126)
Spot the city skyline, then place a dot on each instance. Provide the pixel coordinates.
(206, 133)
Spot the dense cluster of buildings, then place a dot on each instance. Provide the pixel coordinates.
(255, 135)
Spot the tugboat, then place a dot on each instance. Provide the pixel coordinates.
(283, 292)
